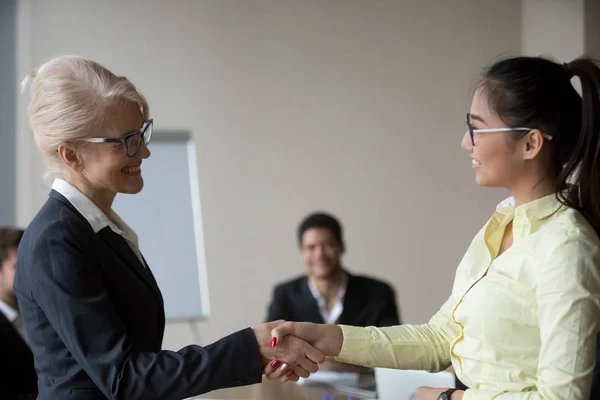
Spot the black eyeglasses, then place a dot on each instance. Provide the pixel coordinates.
(131, 142)
(473, 131)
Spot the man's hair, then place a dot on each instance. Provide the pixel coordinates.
(323, 221)
(9, 239)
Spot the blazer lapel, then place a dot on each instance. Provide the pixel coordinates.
(149, 271)
(120, 246)
(309, 306)
(352, 303)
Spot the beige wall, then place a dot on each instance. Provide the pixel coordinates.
(592, 28)
(553, 28)
(355, 107)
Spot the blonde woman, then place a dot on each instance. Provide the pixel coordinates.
(522, 319)
(90, 305)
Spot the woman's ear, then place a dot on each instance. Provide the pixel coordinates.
(70, 157)
(533, 143)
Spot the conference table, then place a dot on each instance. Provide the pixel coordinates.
(273, 390)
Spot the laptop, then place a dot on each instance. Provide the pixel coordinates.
(398, 384)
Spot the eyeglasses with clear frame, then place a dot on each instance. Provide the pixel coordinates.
(473, 131)
(131, 142)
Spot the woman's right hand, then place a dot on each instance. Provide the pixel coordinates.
(328, 339)
(292, 355)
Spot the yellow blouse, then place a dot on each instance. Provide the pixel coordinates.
(521, 325)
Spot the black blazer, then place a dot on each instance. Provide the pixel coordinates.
(367, 302)
(95, 319)
(17, 375)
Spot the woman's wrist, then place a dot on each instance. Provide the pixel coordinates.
(339, 334)
(334, 337)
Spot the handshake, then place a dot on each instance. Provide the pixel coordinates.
(291, 350)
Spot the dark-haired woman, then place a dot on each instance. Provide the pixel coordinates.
(522, 319)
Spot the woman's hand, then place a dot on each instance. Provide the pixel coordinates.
(299, 357)
(280, 371)
(428, 393)
(328, 339)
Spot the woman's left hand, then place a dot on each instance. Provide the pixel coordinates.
(428, 393)
(280, 372)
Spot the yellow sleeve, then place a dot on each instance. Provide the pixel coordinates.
(425, 347)
(568, 299)
(420, 347)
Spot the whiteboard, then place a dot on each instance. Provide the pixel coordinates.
(167, 219)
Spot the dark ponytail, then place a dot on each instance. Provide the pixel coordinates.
(537, 93)
(584, 161)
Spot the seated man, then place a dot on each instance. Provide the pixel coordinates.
(18, 379)
(329, 294)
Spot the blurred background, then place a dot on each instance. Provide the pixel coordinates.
(355, 107)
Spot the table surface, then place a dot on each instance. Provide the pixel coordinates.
(273, 390)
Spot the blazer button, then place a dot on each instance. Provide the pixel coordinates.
(240, 381)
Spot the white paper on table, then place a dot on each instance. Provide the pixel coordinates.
(332, 378)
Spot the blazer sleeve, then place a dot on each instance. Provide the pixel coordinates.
(279, 306)
(68, 286)
(389, 315)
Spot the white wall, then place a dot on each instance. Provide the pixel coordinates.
(356, 107)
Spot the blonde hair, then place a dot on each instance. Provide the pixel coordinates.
(71, 98)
